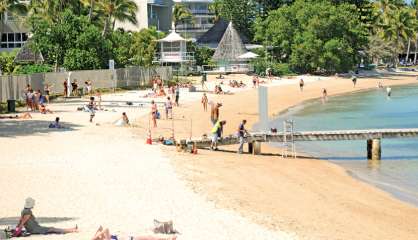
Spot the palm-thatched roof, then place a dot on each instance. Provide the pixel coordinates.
(27, 55)
(214, 35)
(230, 47)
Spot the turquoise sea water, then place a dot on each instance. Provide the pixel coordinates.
(397, 172)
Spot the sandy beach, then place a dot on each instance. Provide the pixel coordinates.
(100, 174)
(312, 198)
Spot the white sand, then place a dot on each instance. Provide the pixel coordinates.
(104, 175)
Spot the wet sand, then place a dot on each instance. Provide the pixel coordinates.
(314, 199)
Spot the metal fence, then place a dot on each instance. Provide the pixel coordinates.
(12, 87)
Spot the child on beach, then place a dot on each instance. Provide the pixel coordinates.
(28, 221)
(168, 108)
(47, 91)
(91, 108)
(324, 95)
(177, 95)
(354, 80)
(123, 121)
(241, 134)
(205, 102)
(56, 124)
(43, 109)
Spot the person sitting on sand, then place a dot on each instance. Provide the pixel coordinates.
(28, 221)
(22, 116)
(92, 108)
(43, 109)
(56, 124)
(123, 121)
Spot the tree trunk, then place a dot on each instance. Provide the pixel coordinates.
(416, 49)
(407, 51)
(91, 10)
(106, 25)
(113, 24)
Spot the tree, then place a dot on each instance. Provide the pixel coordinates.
(121, 47)
(144, 46)
(73, 42)
(314, 35)
(399, 27)
(181, 14)
(117, 10)
(241, 12)
(7, 64)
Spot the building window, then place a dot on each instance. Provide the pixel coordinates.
(13, 40)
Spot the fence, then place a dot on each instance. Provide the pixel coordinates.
(12, 87)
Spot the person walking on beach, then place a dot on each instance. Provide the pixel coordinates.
(28, 221)
(354, 80)
(177, 95)
(205, 102)
(168, 108)
(214, 113)
(241, 134)
(154, 112)
(217, 131)
(324, 95)
(301, 84)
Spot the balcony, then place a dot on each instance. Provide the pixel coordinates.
(193, 27)
(174, 57)
(201, 12)
(162, 3)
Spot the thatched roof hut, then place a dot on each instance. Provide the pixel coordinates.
(27, 55)
(230, 47)
(213, 36)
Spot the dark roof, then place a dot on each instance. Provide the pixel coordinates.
(214, 35)
(27, 55)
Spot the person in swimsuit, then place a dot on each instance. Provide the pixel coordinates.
(301, 84)
(47, 91)
(65, 88)
(28, 221)
(354, 80)
(205, 102)
(154, 111)
(168, 108)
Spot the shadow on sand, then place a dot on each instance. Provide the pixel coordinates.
(14, 128)
(14, 220)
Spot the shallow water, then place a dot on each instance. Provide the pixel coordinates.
(397, 172)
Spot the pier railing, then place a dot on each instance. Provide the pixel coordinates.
(373, 137)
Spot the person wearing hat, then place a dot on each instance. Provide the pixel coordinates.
(28, 221)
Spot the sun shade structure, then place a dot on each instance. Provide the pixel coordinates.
(248, 55)
(27, 55)
(214, 35)
(230, 47)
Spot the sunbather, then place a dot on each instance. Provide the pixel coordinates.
(104, 234)
(28, 221)
(22, 116)
(43, 109)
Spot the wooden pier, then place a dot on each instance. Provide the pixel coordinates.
(373, 137)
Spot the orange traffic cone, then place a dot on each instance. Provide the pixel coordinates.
(149, 139)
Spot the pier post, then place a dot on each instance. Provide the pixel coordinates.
(250, 147)
(374, 150)
(257, 148)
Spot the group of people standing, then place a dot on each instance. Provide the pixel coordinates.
(168, 105)
(75, 88)
(35, 100)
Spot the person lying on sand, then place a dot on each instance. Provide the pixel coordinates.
(22, 116)
(28, 221)
(104, 234)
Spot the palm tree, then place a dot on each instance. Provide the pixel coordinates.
(117, 10)
(414, 5)
(50, 9)
(181, 14)
(399, 26)
(14, 7)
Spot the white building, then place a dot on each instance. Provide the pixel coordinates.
(203, 19)
(151, 13)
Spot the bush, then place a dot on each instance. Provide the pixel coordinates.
(278, 69)
(35, 68)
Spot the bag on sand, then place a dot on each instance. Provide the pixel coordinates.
(164, 227)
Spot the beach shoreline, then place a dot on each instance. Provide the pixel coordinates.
(201, 172)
